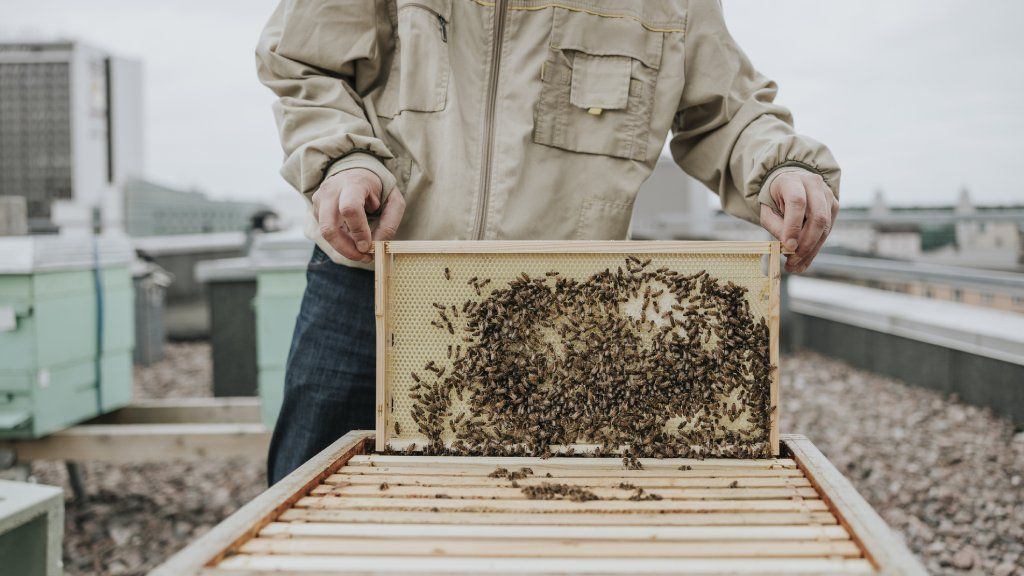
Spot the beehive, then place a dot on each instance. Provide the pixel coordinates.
(66, 331)
(348, 511)
(423, 289)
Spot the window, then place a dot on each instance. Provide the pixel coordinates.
(958, 295)
(987, 298)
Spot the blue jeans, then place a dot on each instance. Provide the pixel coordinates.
(329, 385)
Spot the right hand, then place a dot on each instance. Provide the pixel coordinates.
(341, 206)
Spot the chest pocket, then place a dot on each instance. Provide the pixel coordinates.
(598, 84)
(418, 80)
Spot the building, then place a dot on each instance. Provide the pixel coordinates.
(154, 210)
(670, 204)
(70, 127)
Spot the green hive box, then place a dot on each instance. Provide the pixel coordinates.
(50, 353)
(280, 263)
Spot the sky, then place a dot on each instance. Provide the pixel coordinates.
(918, 98)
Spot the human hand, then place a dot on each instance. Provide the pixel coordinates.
(809, 209)
(341, 206)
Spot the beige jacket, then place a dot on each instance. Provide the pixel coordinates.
(524, 119)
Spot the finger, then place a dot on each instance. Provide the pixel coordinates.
(327, 219)
(771, 221)
(372, 204)
(330, 223)
(390, 216)
(818, 219)
(802, 264)
(350, 207)
(794, 205)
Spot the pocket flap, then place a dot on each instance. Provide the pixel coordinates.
(604, 36)
(441, 8)
(600, 82)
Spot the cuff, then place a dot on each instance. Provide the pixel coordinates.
(371, 163)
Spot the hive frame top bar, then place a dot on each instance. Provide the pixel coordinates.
(575, 246)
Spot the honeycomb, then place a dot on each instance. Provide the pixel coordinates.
(417, 282)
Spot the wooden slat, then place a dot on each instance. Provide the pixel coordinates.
(652, 533)
(506, 566)
(881, 546)
(460, 462)
(610, 506)
(569, 471)
(588, 482)
(540, 548)
(382, 262)
(574, 247)
(145, 443)
(509, 493)
(237, 410)
(774, 275)
(561, 519)
(265, 508)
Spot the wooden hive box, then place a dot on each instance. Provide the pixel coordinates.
(795, 514)
(353, 509)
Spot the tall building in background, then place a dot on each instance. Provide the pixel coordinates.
(70, 127)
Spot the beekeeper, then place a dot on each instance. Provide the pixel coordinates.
(507, 119)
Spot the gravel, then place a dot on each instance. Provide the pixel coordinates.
(949, 478)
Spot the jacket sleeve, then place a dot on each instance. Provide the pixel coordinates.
(320, 57)
(728, 133)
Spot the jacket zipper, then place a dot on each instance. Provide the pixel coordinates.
(488, 142)
(440, 19)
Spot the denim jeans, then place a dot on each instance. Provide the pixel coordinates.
(329, 385)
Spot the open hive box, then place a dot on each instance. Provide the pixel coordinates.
(709, 507)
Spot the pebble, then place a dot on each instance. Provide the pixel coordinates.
(944, 475)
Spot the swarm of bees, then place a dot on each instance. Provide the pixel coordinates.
(636, 361)
(549, 491)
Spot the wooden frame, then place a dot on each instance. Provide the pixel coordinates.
(383, 258)
(156, 430)
(880, 545)
(573, 247)
(294, 533)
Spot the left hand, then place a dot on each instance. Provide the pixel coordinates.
(809, 209)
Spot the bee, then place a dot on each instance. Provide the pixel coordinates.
(447, 274)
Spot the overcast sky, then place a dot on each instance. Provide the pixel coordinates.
(916, 97)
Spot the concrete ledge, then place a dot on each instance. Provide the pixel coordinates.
(971, 329)
(975, 353)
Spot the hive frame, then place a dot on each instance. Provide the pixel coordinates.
(384, 254)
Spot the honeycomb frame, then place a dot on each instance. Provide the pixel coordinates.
(409, 277)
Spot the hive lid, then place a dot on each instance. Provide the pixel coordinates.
(416, 280)
(45, 253)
